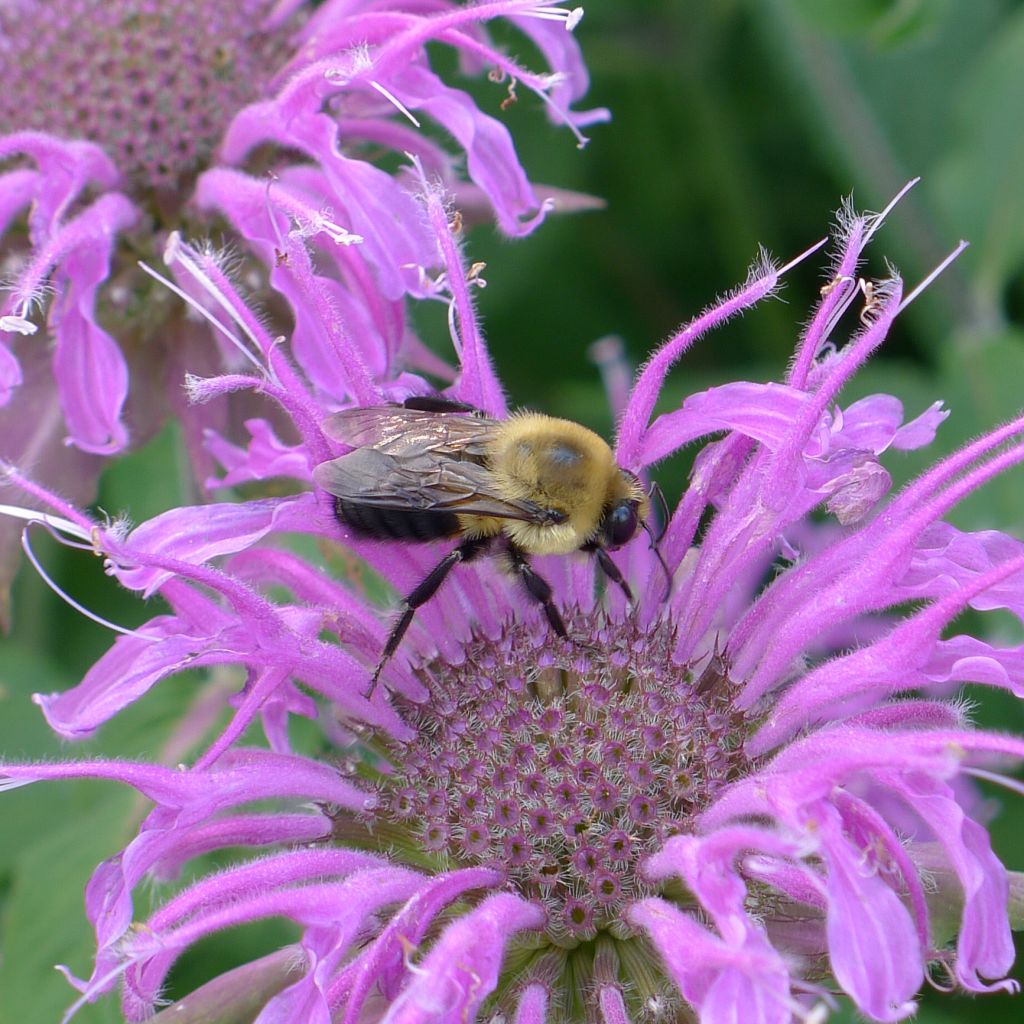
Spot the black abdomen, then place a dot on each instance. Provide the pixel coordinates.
(395, 524)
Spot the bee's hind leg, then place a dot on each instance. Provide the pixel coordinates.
(422, 593)
(537, 587)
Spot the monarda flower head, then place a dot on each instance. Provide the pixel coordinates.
(718, 804)
(122, 120)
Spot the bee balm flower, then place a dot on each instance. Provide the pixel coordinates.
(718, 804)
(121, 122)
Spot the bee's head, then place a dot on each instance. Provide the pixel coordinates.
(625, 515)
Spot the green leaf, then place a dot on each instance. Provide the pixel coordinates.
(887, 22)
(1016, 900)
(981, 383)
(43, 920)
(150, 480)
(979, 184)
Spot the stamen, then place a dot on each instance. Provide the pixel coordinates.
(176, 250)
(841, 310)
(799, 259)
(395, 102)
(908, 299)
(63, 594)
(56, 522)
(875, 222)
(563, 117)
(202, 310)
(15, 324)
(97, 986)
(1014, 785)
(571, 18)
(337, 234)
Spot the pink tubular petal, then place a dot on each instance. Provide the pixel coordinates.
(853, 237)
(490, 154)
(260, 876)
(462, 968)
(963, 659)
(408, 926)
(747, 982)
(532, 1007)
(132, 666)
(91, 372)
(65, 169)
(637, 416)
(10, 373)
(873, 945)
(477, 384)
(17, 188)
(763, 412)
(984, 944)
(248, 830)
(337, 911)
(947, 559)
(266, 457)
(767, 498)
(242, 776)
(197, 534)
(891, 664)
(920, 432)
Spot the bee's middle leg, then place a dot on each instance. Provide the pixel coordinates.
(537, 587)
(423, 592)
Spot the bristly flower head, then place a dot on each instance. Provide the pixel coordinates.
(714, 805)
(123, 120)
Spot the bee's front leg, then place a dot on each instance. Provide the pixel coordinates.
(609, 568)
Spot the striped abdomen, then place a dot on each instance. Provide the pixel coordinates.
(395, 524)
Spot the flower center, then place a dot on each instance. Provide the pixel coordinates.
(153, 83)
(562, 764)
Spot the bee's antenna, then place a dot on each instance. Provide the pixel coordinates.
(655, 491)
(661, 561)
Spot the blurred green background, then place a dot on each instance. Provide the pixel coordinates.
(735, 122)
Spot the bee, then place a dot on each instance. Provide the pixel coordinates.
(433, 468)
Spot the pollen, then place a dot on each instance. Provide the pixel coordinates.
(565, 777)
(154, 84)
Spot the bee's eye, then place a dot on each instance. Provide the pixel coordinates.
(620, 524)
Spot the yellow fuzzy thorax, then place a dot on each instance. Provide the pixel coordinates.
(556, 464)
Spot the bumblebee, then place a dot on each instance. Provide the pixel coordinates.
(432, 468)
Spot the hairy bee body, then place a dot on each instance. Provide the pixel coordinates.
(528, 485)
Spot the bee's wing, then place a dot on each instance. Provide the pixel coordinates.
(393, 428)
(421, 481)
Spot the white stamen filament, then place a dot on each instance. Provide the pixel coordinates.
(336, 233)
(571, 17)
(396, 102)
(56, 522)
(202, 310)
(994, 777)
(878, 219)
(908, 299)
(176, 250)
(799, 259)
(63, 594)
(840, 311)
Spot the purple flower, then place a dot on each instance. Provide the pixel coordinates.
(121, 122)
(735, 796)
